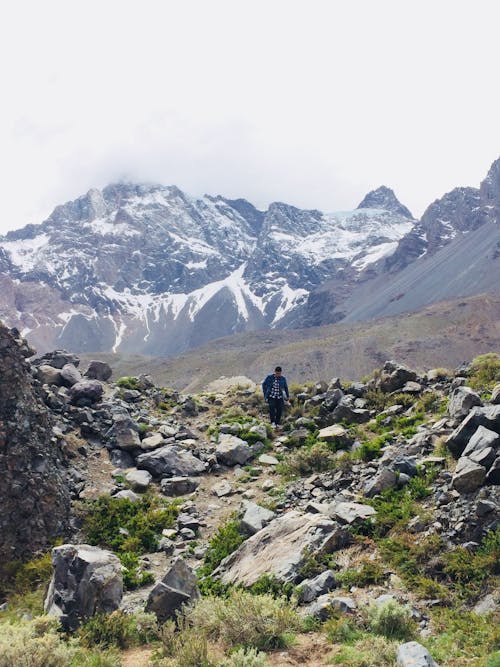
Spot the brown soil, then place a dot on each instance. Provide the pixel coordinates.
(136, 657)
(311, 650)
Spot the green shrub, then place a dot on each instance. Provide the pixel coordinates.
(245, 658)
(184, 646)
(460, 634)
(371, 449)
(367, 573)
(368, 651)
(226, 540)
(307, 460)
(471, 572)
(245, 620)
(143, 520)
(268, 584)
(119, 629)
(34, 643)
(484, 371)
(128, 382)
(391, 619)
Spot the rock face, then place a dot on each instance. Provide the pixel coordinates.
(33, 489)
(279, 548)
(86, 581)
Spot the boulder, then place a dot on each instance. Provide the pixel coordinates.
(385, 479)
(152, 442)
(178, 486)
(87, 580)
(170, 461)
(127, 493)
(495, 395)
(394, 376)
(124, 433)
(488, 416)
(493, 475)
(139, 480)
(70, 375)
(98, 370)
(58, 358)
(49, 375)
(335, 433)
(232, 450)
(121, 459)
(85, 392)
(310, 589)
(413, 654)
(345, 411)
(222, 488)
(327, 605)
(483, 437)
(178, 587)
(280, 548)
(349, 512)
(255, 517)
(468, 475)
(462, 399)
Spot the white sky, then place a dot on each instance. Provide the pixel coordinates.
(312, 102)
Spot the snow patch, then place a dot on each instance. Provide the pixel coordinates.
(25, 253)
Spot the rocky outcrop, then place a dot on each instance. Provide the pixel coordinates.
(281, 548)
(86, 581)
(33, 488)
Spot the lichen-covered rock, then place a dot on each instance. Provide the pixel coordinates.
(34, 494)
(87, 580)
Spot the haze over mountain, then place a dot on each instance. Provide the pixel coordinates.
(148, 269)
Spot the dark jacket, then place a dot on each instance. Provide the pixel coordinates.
(267, 385)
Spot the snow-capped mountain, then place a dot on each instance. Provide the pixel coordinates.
(148, 269)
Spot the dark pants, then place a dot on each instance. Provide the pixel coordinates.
(275, 410)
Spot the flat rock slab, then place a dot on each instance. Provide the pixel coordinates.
(170, 461)
(349, 512)
(278, 549)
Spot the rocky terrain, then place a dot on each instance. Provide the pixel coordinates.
(142, 269)
(368, 523)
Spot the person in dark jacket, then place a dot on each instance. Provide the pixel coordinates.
(275, 389)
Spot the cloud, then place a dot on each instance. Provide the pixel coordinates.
(310, 103)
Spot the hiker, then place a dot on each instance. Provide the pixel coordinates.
(275, 389)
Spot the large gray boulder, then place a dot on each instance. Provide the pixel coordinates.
(178, 587)
(280, 549)
(124, 433)
(232, 450)
(70, 375)
(413, 654)
(85, 392)
(98, 370)
(483, 438)
(488, 416)
(394, 376)
(462, 399)
(384, 480)
(468, 475)
(170, 461)
(49, 375)
(178, 486)
(255, 517)
(87, 580)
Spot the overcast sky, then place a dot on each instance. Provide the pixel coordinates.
(312, 102)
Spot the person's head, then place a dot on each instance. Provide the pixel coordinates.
(277, 370)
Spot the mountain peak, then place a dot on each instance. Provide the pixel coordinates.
(385, 198)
